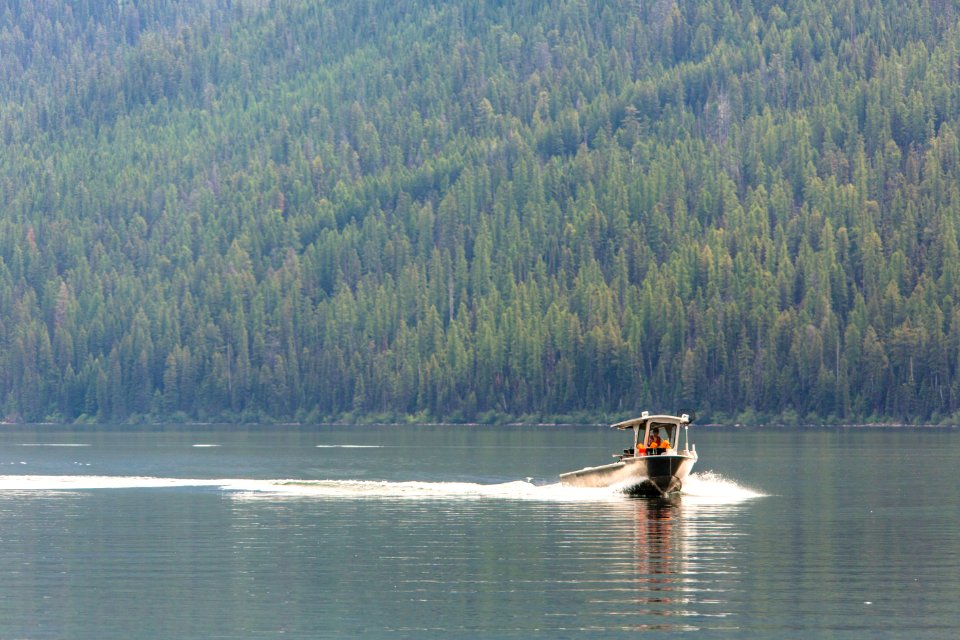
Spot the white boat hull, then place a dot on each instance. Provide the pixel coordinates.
(656, 475)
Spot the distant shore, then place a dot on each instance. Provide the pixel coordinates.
(777, 425)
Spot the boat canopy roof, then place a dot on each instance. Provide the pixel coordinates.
(645, 418)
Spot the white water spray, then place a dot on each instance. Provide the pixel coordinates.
(699, 488)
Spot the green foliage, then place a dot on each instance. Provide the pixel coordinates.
(351, 210)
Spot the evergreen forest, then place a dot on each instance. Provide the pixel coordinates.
(451, 210)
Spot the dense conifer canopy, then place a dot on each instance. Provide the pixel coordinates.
(459, 210)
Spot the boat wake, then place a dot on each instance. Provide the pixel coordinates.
(323, 489)
(349, 446)
(53, 444)
(707, 487)
(700, 488)
(22, 483)
(414, 490)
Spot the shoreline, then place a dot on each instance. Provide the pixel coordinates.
(779, 426)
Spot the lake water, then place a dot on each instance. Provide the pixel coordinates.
(463, 532)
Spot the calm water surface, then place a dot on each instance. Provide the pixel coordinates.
(463, 532)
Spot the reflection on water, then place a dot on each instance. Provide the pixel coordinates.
(681, 568)
(659, 568)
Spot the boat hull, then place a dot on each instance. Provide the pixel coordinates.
(655, 475)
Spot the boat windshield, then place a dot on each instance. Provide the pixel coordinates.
(667, 431)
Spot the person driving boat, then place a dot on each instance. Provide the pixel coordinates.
(656, 442)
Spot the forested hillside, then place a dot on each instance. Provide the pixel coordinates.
(459, 210)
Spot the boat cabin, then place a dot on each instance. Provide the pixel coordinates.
(655, 435)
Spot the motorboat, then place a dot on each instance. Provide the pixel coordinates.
(655, 465)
